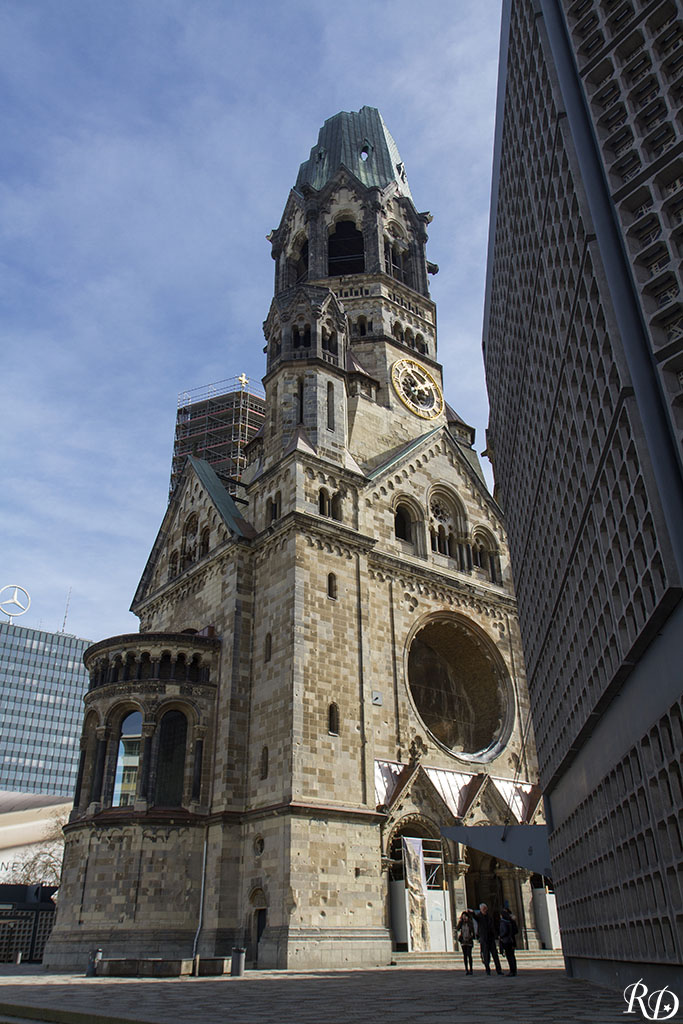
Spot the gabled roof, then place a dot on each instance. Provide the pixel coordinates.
(399, 453)
(361, 142)
(299, 442)
(353, 366)
(223, 502)
(515, 799)
(221, 498)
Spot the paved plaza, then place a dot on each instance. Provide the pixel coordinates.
(415, 995)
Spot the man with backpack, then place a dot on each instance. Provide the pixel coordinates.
(508, 930)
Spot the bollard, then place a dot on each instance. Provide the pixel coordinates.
(237, 965)
(94, 957)
(17, 956)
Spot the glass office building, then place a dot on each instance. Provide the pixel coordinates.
(42, 681)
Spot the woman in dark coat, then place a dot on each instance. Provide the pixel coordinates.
(465, 930)
(508, 930)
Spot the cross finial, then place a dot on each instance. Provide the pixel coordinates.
(243, 379)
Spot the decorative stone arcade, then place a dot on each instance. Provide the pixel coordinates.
(328, 668)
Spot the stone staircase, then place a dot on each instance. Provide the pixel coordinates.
(537, 959)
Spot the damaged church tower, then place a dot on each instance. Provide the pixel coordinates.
(328, 668)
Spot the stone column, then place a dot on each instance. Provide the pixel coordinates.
(197, 764)
(317, 244)
(457, 872)
(79, 778)
(533, 936)
(372, 233)
(102, 734)
(142, 794)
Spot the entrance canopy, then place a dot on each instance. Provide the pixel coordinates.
(523, 845)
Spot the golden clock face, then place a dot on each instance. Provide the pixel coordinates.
(416, 388)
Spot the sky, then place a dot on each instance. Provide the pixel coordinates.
(148, 148)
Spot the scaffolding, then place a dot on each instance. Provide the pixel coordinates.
(216, 422)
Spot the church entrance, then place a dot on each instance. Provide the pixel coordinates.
(495, 883)
(419, 896)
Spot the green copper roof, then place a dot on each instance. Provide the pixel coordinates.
(220, 497)
(360, 141)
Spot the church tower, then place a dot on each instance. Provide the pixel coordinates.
(328, 668)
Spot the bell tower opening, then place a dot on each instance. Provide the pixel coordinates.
(346, 251)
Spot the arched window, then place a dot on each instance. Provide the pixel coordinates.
(300, 264)
(336, 507)
(165, 666)
(333, 719)
(332, 586)
(396, 259)
(447, 527)
(173, 565)
(264, 763)
(128, 760)
(194, 670)
(420, 344)
(204, 542)
(171, 760)
(485, 557)
(397, 331)
(273, 408)
(362, 326)
(329, 341)
(268, 647)
(346, 251)
(323, 502)
(300, 400)
(190, 539)
(146, 668)
(180, 668)
(330, 405)
(403, 523)
(409, 338)
(273, 508)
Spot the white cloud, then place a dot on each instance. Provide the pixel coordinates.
(149, 149)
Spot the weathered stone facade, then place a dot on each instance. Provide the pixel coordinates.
(326, 664)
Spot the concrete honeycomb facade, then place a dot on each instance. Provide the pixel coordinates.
(252, 759)
(583, 348)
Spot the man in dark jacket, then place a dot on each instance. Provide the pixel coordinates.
(487, 937)
(508, 930)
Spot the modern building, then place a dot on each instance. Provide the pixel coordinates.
(42, 680)
(329, 672)
(216, 423)
(27, 914)
(583, 346)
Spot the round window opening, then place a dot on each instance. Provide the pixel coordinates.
(459, 690)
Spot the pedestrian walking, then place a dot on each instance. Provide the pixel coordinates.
(508, 930)
(465, 932)
(487, 938)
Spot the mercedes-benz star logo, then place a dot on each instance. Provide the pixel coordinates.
(16, 604)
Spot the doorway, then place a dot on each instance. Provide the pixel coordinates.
(419, 897)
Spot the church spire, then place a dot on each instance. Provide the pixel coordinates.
(361, 142)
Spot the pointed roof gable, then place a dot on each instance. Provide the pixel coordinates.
(399, 453)
(514, 798)
(299, 442)
(223, 502)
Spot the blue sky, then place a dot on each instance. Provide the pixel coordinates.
(148, 148)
